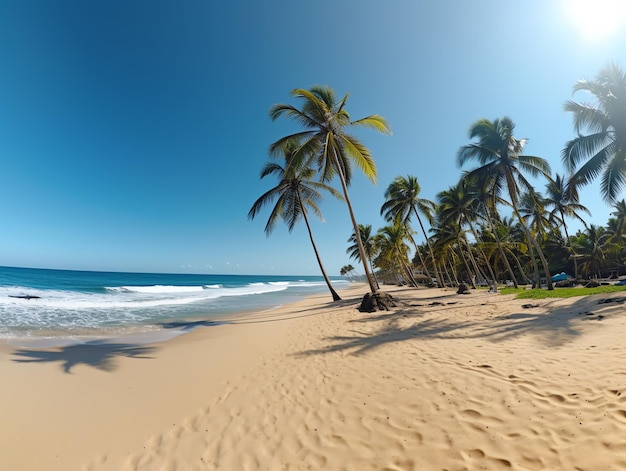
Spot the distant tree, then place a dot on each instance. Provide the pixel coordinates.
(401, 202)
(368, 243)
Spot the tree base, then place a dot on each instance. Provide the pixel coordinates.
(377, 302)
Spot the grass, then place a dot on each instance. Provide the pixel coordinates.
(560, 292)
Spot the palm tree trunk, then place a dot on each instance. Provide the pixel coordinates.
(419, 254)
(501, 250)
(359, 242)
(430, 248)
(453, 271)
(334, 294)
(491, 273)
(532, 241)
(472, 261)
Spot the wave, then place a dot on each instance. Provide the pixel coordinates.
(25, 309)
(155, 289)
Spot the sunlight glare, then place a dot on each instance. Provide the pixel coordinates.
(596, 19)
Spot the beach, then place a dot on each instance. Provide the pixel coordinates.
(442, 382)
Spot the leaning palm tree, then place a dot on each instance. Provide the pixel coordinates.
(603, 149)
(294, 193)
(500, 157)
(401, 201)
(325, 121)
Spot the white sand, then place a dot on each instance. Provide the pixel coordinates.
(476, 382)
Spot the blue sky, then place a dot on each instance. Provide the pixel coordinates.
(132, 134)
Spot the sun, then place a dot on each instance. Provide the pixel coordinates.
(596, 19)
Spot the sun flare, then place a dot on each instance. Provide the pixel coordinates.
(596, 19)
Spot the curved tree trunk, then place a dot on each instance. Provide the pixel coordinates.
(499, 243)
(473, 262)
(419, 255)
(334, 294)
(430, 248)
(491, 273)
(532, 241)
(344, 187)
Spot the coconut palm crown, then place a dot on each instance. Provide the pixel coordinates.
(602, 152)
(324, 140)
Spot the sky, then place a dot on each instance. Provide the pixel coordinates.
(132, 134)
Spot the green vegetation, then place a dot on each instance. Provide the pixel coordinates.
(492, 224)
(561, 292)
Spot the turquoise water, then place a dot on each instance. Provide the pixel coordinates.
(41, 303)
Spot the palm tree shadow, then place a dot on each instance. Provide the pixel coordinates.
(98, 354)
(551, 326)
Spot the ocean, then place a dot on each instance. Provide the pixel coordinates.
(45, 305)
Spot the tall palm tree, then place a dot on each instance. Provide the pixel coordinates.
(500, 157)
(325, 121)
(603, 149)
(562, 197)
(401, 201)
(294, 193)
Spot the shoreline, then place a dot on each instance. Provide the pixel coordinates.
(443, 381)
(145, 334)
(87, 405)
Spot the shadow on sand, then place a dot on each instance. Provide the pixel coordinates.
(552, 325)
(98, 354)
(190, 325)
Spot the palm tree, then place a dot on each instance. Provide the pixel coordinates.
(459, 204)
(563, 203)
(348, 270)
(447, 241)
(562, 196)
(369, 245)
(536, 217)
(603, 150)
(488, 197)
(499, 155)
(390, 241)
(293, 194)
(402, 200)
(592, 246)
(325, 120)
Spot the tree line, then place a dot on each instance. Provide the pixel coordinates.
(492, 225)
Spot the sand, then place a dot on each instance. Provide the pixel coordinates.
(444, 382)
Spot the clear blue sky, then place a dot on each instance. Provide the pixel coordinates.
(132, 134)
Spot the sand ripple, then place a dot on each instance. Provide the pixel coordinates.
(475, 383)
